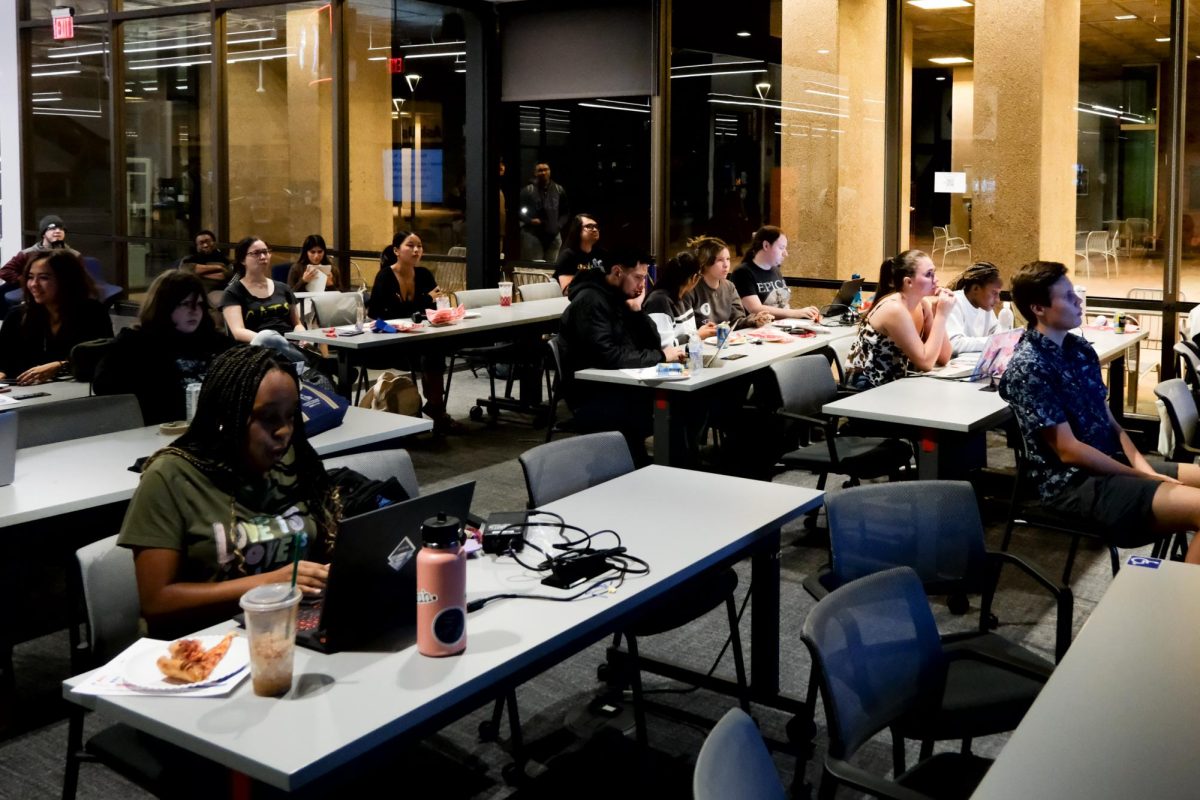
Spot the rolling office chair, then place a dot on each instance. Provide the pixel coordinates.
(734, 763)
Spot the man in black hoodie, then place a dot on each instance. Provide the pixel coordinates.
(601, 330)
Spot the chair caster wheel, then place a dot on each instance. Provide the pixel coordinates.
(958, 604)
(605, 672)
(801, 731)
(488, 731)
(476, 414)
(513, 774)
(810, 523)
(992, 622)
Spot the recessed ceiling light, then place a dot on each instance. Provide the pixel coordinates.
(1163, 39)
(937, 5)
(1125, 16)
(940, 78)
(950, 60)
(822, 52)
(743, 34)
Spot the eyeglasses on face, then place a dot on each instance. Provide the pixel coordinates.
(259, 253)
(591, 226)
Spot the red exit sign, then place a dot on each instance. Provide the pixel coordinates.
(64, 22)
(396, 65)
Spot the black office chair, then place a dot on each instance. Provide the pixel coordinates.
(880, 663)
(934, 527)
(1181, 410)
(554, 390)
(562, 468)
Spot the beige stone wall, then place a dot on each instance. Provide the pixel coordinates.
(833, 135)
(370, 137)
(1023, 182)
(962, 142)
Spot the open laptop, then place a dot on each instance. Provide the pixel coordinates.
(370, 600)
(996, 355)
(846, 292)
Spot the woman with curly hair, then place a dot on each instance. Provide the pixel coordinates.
(59, 312)
(218, 511)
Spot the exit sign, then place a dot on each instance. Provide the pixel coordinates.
(64, 22)
(396, 65)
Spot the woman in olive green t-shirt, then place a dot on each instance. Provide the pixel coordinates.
(220, 510)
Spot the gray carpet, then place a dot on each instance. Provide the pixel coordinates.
(568, 755)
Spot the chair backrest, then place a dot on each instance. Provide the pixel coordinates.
(457, 252)
(362, 272)
(840, 347)
(1097, 241)
(1181, 408)
(1190, 357)
(877, 652)
(451, 276)
(734, 762)
(76, 418)
(522, 276)
(477, 298)
(931, 526)
(1149, 320)
(335, 308)
(805, 384)
(279, 272)
(539, 291)
(110, 598)
(557, 469)
(380, 465)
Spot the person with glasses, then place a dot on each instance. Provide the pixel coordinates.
(172, 346)
(581, 252)
(257, 309)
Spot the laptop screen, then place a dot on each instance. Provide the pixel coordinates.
(996, 354)
(845, 294)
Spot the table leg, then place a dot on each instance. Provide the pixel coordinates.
(1116, 387)
(949, 456)
(764, 624)
(345, 371)
(664, 425)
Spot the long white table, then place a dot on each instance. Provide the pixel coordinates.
(54, 391)
(669, 436)
(1117, 719)
(949, 417)
(360, 701)
(59, 478)
(491, 321)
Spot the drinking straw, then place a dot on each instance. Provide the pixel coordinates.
(295, 556)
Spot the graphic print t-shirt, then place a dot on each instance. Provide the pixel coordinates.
(221, 536)
(768, 284)
(272, 313)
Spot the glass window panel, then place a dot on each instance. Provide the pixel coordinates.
(68, 138)
(40, 9)
(140, 5)
(279, 103)
(168, 160)
(407, 72)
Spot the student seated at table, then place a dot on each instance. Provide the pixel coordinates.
(209, 263)
(600, 330)
(173, 344)
(760, 282)
(312, 261)
(973, 317)
(672, 300)
(59, 311)
(1082, 462)
(219, 510)
(580, 252)
(906, 326)
(257, 309)
(402, 289)
(714, 298)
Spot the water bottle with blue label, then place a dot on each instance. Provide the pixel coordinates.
(695, 353)
(856, 303)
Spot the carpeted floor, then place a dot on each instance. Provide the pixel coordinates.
(575, 753)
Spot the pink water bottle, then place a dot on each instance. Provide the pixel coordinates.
(441, 589)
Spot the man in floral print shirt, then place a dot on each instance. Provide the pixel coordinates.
(1082, 462)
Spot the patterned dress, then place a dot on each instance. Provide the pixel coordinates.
(875, 359)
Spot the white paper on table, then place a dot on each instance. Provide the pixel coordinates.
(107, 680)
(6, 400)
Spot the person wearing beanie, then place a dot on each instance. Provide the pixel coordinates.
(53, 234)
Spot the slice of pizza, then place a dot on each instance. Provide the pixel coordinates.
(189, 662)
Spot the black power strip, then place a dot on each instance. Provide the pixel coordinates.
(569, 572)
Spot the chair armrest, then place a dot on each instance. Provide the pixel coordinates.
(811, 420)
(998, 661)
(814, 586)
(1063, 596)
(955, 241)
(856, 778)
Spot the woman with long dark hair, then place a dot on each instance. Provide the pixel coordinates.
(759, 279)
(314, 259)
(59, 312)
(906, 326)
(581, 252)
(401, 290)
(672, 298)
(218, 511)
(172, 346)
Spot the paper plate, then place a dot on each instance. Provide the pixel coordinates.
(142, 671)
(734, 341)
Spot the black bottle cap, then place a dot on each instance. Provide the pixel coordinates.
(440, 531)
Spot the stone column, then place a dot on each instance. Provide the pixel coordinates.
(833, 139)
(1026, 90)
(962, 144)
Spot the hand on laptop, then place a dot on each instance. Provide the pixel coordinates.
(310, 576)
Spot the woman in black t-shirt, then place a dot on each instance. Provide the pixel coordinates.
(580, 252)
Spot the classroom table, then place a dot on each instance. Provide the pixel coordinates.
(78, 474)
(948, 418)
(672, 398)
(1117, 718)
(348, 704)
(54, 392)
(522, 319)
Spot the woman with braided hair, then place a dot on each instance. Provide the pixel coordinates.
(973, 318)
(219, 510)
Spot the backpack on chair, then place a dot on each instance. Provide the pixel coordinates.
(394, 393)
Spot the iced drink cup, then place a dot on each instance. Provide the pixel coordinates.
(505, 293)
(271, 623)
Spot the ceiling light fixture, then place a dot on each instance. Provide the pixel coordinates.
(945, 60)
(743, 34)
(1125, 16)
(763, 90)
(822, 52)
(1163, 39)
(940, 78)
(938, 5)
